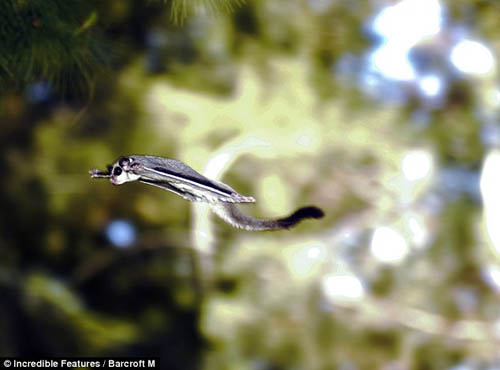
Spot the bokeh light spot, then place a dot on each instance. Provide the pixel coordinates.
(489, 185)
(491, 274)
(391, 61)
(409, 20)
(121, 233)
(417, 164)
(388, 245)
(472, 57)
(342, 288)
(402, 26)
(418, 233)
(430, 85)
(307, 259)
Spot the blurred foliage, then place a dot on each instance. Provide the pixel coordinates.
(63, 42)
(52, 40)
(250, 91)
(182, 8)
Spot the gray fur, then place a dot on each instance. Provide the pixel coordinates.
(180, 179)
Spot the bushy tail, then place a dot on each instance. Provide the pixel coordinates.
(232, 215)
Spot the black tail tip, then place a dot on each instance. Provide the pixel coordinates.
(299, 215)
(308, 212)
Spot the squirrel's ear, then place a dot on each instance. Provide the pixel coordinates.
(124, 161)
(135, 166)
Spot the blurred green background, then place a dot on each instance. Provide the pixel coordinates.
(383, 113)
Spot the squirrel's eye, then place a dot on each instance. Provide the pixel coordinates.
(117, 171)
(124, 161)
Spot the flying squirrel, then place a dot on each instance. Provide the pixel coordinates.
(179, 178)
